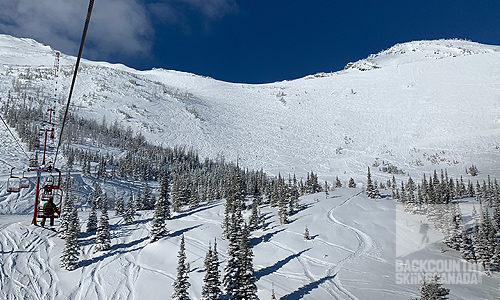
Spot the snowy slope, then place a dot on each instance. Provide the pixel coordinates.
(351, 255)
(434, 103)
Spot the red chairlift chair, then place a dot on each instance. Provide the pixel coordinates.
(25, 182)
(13, 183)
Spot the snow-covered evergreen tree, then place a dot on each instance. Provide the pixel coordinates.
(130, 211)
(177, 194)
(326, 188)
(165, 194)
(233, 268)
(103, 236)
(67, 209)
(238, 280)
(254, 217)
(138, 201)
(211, 281)
(371, 189)
(307, 236)
(158, 226)
(147, 198)
(466, 246)
(247, 287)
(181, 283)
(282, 211)
(92, 219)
(433, 290)
(338, 184)
(352, 183)
(71, 252)
(119, 206)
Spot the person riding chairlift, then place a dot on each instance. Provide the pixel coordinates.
(49, 209)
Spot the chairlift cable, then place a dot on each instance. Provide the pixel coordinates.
(7, 163)
(87, 21)
(14, 137)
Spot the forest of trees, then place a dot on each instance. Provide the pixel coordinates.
(437, 197)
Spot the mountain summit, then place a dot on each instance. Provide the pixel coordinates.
(418, 51)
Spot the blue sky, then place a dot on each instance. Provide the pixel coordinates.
(243, 40)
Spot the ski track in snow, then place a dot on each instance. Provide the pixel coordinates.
(40, 277)
(365, 243)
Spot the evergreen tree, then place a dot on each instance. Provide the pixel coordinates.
(147, 198)
(433, 290)
(466, 247)
(119, 206)
(181, 283)
(327, 187)
(234, 201)
(247, 287)
(211, 280)
(254, 217)
(177, 195)
(92, 219)
(307, 236)
(338, 184)
(71, 251)
(371, 190)
(165, 194)
(138, 201)
(352, 183)
(158, 227)
(495, 259)
(233, 269)
(130, 211)
(103, 236)
(484, 240)
(67, 209)
(282, 211)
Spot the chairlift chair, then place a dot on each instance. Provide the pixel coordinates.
(46, 194)
(25, 182)
(13, 183)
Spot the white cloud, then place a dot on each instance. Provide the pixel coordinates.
(177, 12)
(116, 27)
(213, 8)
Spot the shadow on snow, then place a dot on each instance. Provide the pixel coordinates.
(269, 270)
(306, 289)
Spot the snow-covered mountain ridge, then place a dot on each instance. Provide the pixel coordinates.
(416, 113)
(418, 51)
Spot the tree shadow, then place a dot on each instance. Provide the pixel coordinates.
(199, 208)
(268, 270)
(264, 238)
(115, 249)
(181, 231)
(314, 236)
(306, 289)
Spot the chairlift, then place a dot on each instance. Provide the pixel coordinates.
(33, 163)
(13, 183)
(47, 193)
(25, 182)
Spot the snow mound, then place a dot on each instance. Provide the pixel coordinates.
(417, 51)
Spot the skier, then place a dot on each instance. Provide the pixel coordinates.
(49, 209)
